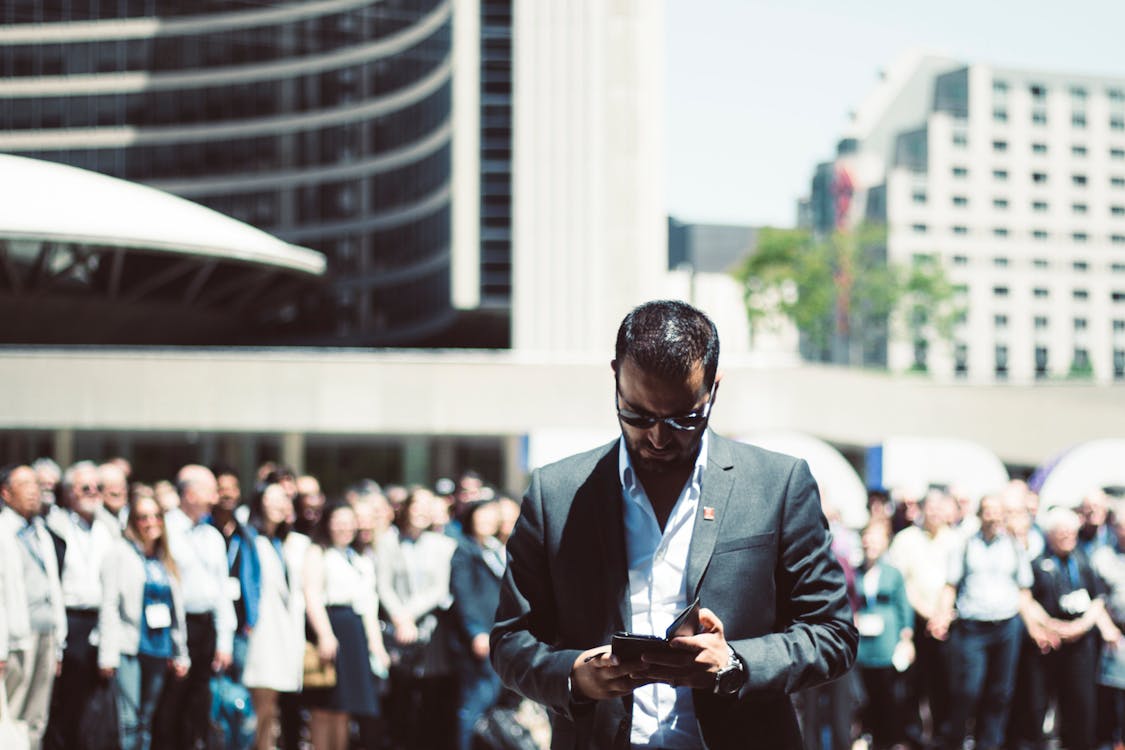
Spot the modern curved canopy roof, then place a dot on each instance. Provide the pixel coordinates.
(42, 200)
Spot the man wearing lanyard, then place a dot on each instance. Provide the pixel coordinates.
(199, 551)
(32, 618)
(244, 581)
(81, 523)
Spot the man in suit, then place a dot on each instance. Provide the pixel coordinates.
(624, 536)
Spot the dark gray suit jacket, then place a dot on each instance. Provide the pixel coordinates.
(763, 565)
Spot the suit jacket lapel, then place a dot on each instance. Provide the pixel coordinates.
(718, 480)
(611, 522)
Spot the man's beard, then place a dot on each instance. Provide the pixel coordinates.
(680, 462)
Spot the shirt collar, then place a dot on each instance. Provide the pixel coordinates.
(628, 476)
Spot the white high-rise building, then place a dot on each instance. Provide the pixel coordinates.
(1014, 181)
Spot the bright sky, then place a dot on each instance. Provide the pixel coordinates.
(759, 91)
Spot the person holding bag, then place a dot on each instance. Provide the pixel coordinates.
(141, 622)
(342, 611)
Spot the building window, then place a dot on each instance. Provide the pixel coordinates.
(960, 201)
(1041, 323)
(1079, 208)
(960, 172)
(999, 87)
(1039, 148)
(999, 146)
(1080, 266)
(919, 196)
(1040, 263)
(1117, 122)
(1000, 261)
(1000, 203)
(1039, 117)
(1001, 361)
(999, 114)
(919, 228)
(1040, 292)
(1039, 178)
(1039, 206)
(1080, 324)
(1079, 236)
(1040, 234)
(961, 359)
(1119, 364)
(1077, 92)
(1000, 232)
(1000, 321)
(1038, 91)
(1116, 95)
(1119, 326)
(1081, 363)
(960, 140)
(1000, 174)
(1080, 295)
(1117, 182)
(1117, 153)
(999, 291)
(1117, 210)
(1117, 296)
(960, 260)
(960, 289)
(1077, 150)
(960, 229)
(1079, 180)
(1040, 362)
(1078, 119)
(1117, 239)
(1117, 267)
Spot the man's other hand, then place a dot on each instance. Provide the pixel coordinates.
(699, 656)
(220, 662)
(598, 675)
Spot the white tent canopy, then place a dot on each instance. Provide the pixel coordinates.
(1081, 470)
(912, 464)
(839, 483)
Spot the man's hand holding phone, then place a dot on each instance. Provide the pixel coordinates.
(692, 661)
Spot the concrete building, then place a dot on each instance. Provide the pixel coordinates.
(1012, 180)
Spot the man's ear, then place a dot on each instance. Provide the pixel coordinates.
(613, 365)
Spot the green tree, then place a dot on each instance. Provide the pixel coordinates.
(840, 290)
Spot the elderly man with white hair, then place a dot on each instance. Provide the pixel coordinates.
(200, 553)
(1071, 594)
(88, 531)
(115, 495)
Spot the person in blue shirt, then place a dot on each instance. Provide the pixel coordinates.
(142, 629)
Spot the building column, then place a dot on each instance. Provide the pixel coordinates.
(293, 451)
(62, 446)
(514, 451)
(416, 460)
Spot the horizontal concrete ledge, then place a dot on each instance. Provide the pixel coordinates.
(341, 391)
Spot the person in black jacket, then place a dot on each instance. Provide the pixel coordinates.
(477, 567)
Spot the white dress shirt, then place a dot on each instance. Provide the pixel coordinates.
(663, 716)
(87, 546)
(200, 553)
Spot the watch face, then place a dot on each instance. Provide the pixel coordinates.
(730, 680)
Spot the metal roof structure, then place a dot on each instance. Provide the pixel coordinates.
(86, 258)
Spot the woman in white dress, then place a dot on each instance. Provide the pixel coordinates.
(274, 654)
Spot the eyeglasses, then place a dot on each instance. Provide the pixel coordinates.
(684, 423)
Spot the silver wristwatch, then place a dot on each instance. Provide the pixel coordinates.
(729, 679)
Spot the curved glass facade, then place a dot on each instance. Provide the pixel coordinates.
(325, 122)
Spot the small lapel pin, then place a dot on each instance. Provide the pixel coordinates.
(708, 513)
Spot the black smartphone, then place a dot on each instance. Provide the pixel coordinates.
(630, 646)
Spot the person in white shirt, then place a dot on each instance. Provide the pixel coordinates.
(32, 620)
(81, 522)
(183, 714)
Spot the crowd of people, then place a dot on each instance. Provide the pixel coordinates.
(277, 619)
(986, 624)
(216, 618)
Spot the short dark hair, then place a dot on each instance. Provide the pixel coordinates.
(667, 338)
(222, 470)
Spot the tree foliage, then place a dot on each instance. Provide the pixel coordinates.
(843, 286)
